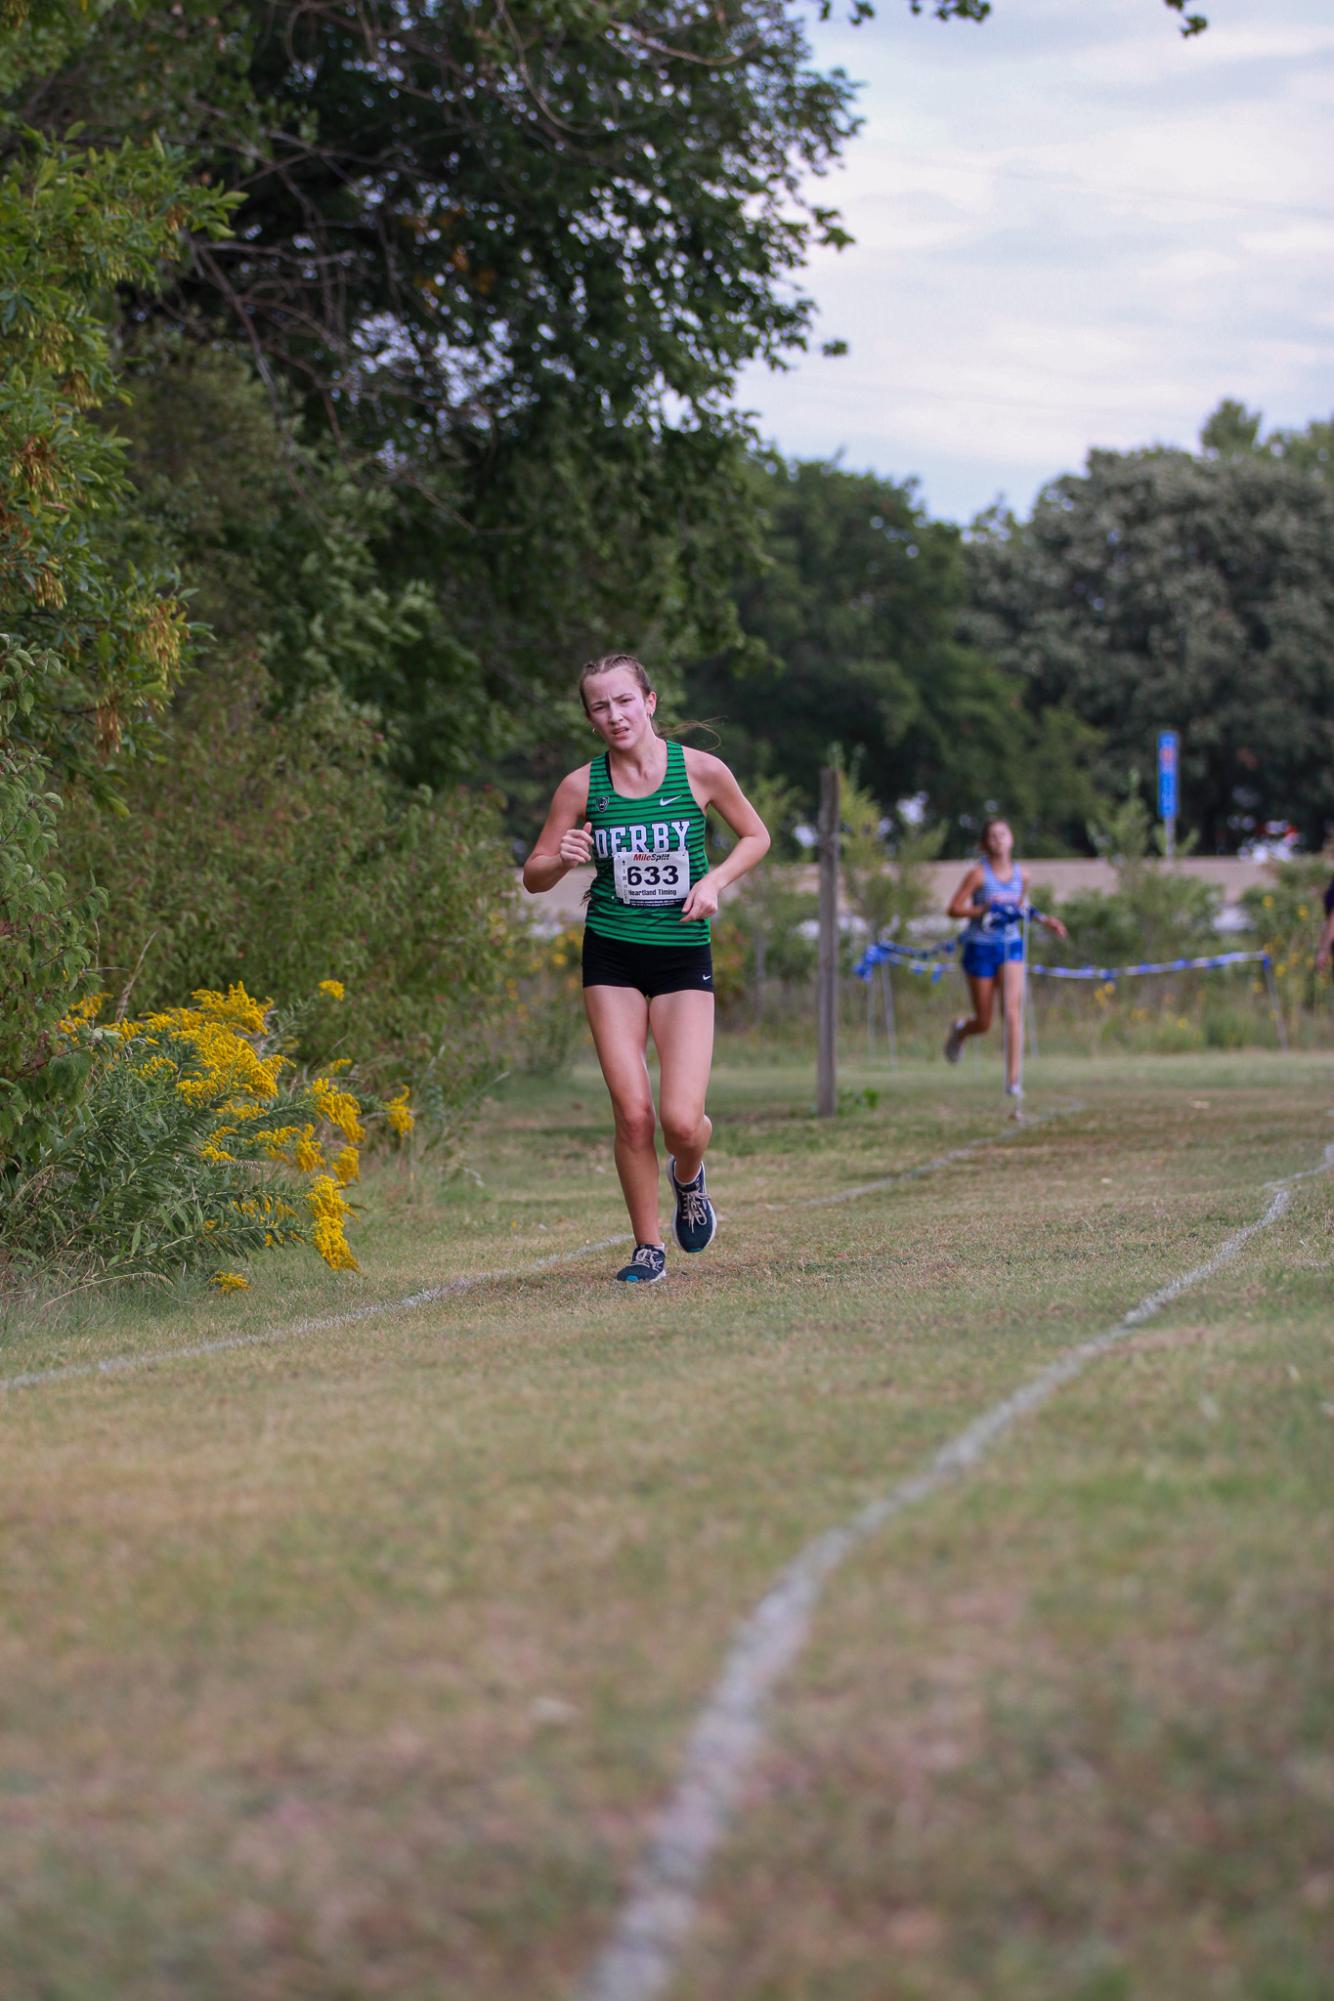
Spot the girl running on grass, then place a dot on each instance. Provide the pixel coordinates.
(637, 812)
(993, 897)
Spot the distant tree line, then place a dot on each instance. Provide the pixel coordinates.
(1026, 666)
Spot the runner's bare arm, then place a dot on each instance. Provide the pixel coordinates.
(713, 784)
(961, 903)
(566, 841)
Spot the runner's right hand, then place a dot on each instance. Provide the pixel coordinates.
(576, 846)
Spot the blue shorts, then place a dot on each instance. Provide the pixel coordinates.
(984, 957)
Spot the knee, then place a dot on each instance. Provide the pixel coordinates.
(681, 1129)
(983, 1017)
(635, 1124)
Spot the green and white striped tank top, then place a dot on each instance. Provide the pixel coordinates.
(649, 853)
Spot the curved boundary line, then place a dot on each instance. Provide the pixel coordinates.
(658, 1913)
(122, 1365)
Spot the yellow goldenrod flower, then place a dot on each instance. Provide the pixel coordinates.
(340, 1108)
(276, 1140)
(347, 1166)
(81, 1014)
(334, 988)
(235, 1007)
(230, 1281)
(329, 1210)
(398, 1112)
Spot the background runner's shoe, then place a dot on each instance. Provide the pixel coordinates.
(646, 1267)
(954, 1041)
(695, 1222)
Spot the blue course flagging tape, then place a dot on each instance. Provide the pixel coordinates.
(927, 959)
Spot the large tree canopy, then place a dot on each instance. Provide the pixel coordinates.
(511, 256)
(452, 212)
(851, 626)
(1160, 589)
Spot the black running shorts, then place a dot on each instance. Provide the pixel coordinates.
(652, 969)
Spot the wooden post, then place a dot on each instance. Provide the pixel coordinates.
(826, 1095)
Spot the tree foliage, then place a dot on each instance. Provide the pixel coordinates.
(851, 623)
(310, 862)
(88, 642)
(510, 257)
(1160, 589)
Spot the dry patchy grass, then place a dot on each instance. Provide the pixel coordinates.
(354, 1664)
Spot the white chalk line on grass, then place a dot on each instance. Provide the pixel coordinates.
(658, 1914)
(222, 1344)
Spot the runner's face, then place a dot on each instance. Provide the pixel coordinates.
(1000, 842)
(618, 708)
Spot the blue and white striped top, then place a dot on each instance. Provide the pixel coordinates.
(1002, 916)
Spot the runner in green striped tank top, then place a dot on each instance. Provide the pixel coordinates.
(649, 853)
(637, 813)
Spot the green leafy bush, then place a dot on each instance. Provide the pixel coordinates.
(1288, 918)
(1152, 914)
(44, 948)
(277, 850)
(193, 1143)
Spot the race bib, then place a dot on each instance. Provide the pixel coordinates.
(649, 880)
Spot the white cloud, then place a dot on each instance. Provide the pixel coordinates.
(1293, 240)
(1057, 219)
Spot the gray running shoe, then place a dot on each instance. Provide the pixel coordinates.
(646, 1267)
(695, 1222)
(954, 1040)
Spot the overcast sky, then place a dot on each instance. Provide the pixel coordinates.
(1074, 228)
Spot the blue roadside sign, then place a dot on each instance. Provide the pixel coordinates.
(1167, 774)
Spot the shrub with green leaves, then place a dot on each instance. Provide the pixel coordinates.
(1153, 913)
(278, 850)
(44, 947)
(89, 642)
(1288, 917)
(194, 1142)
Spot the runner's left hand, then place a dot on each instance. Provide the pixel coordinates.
(701, 902)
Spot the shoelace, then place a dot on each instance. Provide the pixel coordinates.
(645, 1255)
(695, 1208)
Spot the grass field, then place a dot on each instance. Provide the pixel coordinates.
(355, 1662)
